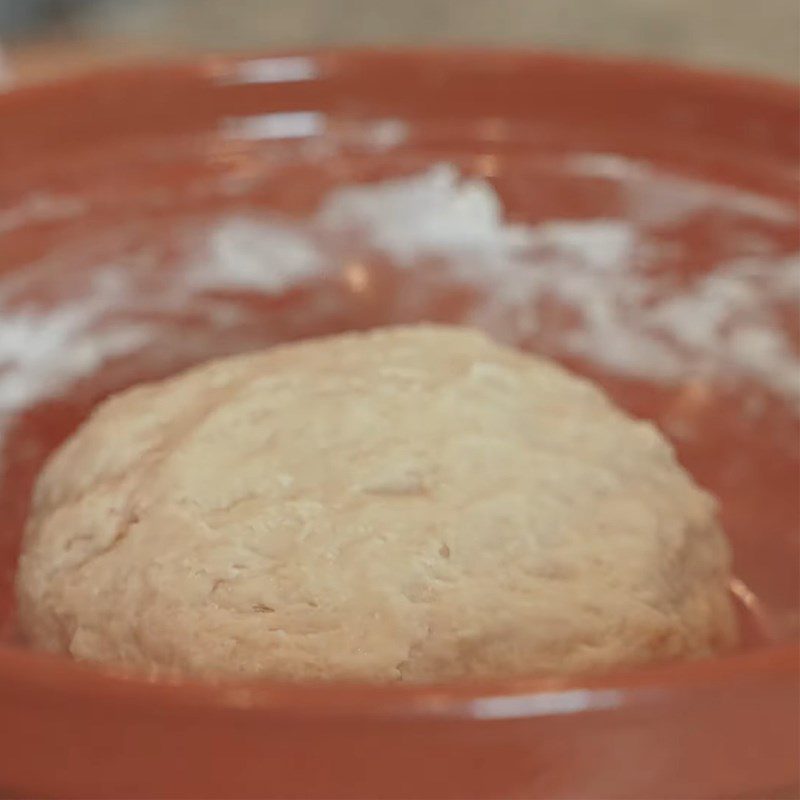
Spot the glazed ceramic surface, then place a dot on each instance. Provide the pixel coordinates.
(638, 223)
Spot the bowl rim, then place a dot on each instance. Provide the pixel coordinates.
(207, 63)
(55, 675)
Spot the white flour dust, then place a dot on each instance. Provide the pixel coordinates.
(39, 206)
(725, 324)
(656, 197)
(42, 351)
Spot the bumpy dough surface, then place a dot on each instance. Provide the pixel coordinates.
(409, 504)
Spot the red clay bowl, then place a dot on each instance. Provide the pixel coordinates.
(646, 238)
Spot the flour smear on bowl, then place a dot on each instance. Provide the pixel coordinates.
(630, 317)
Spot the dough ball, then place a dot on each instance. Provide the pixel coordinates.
(414, 503)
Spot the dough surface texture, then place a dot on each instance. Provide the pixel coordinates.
(414, 503)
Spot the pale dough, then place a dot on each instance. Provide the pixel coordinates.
(414, 503)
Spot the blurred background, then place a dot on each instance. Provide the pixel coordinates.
(47, 38)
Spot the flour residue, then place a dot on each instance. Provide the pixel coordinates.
(39, 206)
(43, 350)
(433, 213)
(261, 255)
(656, 197)
(724, 324)
(627, 316)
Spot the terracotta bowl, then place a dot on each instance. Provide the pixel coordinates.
(637, 222)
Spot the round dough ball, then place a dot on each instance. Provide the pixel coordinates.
(413, 503)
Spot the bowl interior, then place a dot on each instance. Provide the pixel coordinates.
(638, 225)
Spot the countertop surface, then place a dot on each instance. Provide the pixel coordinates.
(740, 35)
